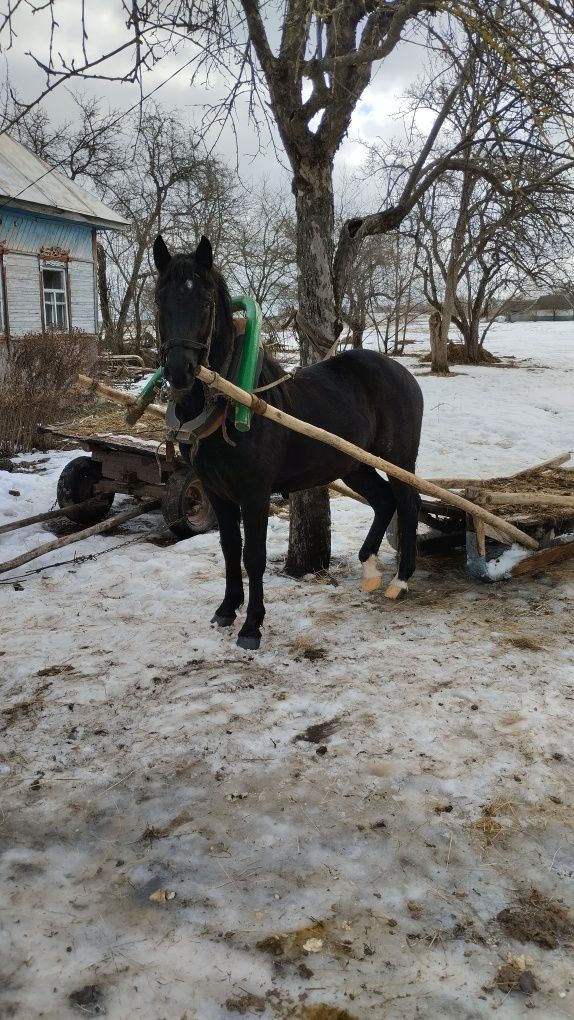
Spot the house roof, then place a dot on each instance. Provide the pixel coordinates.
(30, 183)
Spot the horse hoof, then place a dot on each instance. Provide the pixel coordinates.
(372, 571)
(223, 621)
(396, 589)
(250, 643)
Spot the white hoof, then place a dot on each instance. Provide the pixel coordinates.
(396, 588)
(372, 571)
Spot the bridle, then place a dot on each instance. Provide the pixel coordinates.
(193, 345)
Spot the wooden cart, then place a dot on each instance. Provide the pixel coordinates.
(135, 467)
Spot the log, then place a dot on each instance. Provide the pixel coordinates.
(261, 407)
(78, 536)
(117, 396)
(26, 522)
(498, 498)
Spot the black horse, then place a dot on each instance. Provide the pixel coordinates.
(363, 396)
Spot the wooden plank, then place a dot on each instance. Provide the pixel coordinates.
(78, 536)
(544, 558)
(140, 489)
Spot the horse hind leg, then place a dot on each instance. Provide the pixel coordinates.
(408, 504)
(367, 483)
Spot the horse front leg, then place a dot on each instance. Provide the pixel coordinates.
(228, 517)
(255, 513)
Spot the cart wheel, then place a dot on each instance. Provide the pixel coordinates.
(185, 507)
(76, 484)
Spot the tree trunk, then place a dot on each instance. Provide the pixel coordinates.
(439, 357)
(310, 518)
(472, 343)
(107, 321)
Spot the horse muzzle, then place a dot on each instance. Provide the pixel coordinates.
(180, 368)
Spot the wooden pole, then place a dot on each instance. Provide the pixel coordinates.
(26, 522)
(525, 498)
(478, 483)
(261, 407)
(117, 396)
(78, 536)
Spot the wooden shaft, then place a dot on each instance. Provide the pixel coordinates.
(96, 529)
(117, 396)
(261, 407)
(26, 522)
(344, 490)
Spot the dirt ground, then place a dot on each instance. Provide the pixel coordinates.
(371, 817)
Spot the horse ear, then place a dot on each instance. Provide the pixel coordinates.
(161, 254)
(204, 254)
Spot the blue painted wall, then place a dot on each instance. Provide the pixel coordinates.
(29, 232)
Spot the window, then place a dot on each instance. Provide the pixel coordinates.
(55, 298)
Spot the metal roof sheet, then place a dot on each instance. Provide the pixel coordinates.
(29, 182)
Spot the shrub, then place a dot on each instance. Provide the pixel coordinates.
(35, 385)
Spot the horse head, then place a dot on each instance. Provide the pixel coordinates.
(194, 313)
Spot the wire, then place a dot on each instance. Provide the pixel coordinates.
(114, 123)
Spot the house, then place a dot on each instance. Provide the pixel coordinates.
(558, 305)
(48, 230)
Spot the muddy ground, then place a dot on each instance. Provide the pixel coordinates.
(372, 817)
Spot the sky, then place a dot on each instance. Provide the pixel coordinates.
(253, 155)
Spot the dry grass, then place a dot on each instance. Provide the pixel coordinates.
(488, 824)
(457, 355)
(41, 372)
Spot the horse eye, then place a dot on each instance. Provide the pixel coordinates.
(189, 284)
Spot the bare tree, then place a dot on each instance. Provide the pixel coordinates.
(263, 257)
(309, 64)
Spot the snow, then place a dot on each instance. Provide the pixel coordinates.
(142, 750)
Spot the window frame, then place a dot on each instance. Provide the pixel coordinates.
(55, 267)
